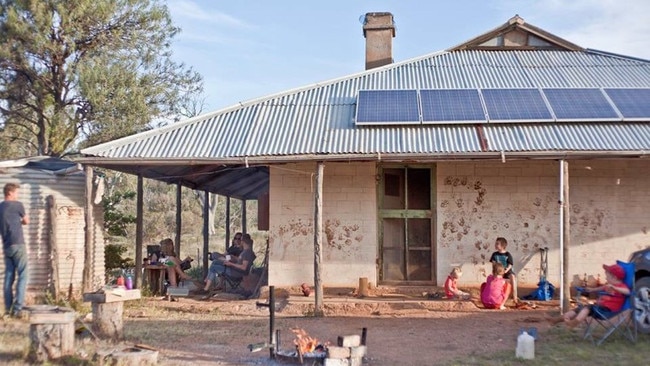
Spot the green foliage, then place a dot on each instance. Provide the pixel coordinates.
(195, 272)
(73, 303)
(88, 70)
(116, 221)
(113, 257)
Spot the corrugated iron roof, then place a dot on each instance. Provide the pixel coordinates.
(316, 122)
(220, 150)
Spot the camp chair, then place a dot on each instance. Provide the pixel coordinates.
(232, 283)
(622, 321)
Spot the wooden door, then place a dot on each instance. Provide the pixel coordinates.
(406, 225)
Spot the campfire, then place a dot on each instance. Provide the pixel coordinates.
(307, 350)
(306, 343)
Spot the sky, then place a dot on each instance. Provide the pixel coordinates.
(246, 49)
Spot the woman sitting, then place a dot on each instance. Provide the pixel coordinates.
(169, 258)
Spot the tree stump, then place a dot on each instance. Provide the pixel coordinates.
(107, 320)
(363, 287)
(51, 332)
(108, 307)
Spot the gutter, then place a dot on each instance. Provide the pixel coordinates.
(265, 160)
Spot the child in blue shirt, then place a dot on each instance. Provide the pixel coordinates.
(502, 256)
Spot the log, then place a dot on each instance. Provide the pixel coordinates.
(363, 286)
(107, 320)
(51, 333)
(126, 357)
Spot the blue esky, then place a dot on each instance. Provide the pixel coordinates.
(246, 49)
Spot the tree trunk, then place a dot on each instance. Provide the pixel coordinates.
(89, 243)
(213, 204)
(318, 239)
(54, 250)
(107, 320)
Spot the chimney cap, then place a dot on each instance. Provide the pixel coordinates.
(378, 21)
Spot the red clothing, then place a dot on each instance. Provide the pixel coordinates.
(493, 292)
(451, 287)
(613, 300)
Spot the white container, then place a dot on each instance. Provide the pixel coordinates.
(525, 346)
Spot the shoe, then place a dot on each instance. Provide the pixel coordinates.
(502, 307)
(20, 314)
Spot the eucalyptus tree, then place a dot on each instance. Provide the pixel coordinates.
(87, 71)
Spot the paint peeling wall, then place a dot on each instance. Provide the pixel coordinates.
(349, 224)
(519, 200)
(476, 202)
(610, 215)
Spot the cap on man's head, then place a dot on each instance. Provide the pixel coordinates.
(616, 270)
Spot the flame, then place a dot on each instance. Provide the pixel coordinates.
(304, 342)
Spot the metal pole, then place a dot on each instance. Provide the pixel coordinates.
(566, 237)
(561, 236)
(272, 321)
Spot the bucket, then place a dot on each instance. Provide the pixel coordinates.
(525, 346)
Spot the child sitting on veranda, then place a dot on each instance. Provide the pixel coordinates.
(496, 290)
(503, 256)
(610, 301)
(451, 285)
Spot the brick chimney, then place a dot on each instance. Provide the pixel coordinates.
(379, 30)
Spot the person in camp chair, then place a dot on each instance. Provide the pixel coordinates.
(609, 302)
(237, 268)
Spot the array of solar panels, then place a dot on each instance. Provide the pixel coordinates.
(446, 106)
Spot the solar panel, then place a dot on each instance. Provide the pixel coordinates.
(451, 105)
(387, 107)
(516, 105)
(632, 103)
(580, 104)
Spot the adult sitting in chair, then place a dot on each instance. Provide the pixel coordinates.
(174, 271)
(232, 254)
(235, 268)
(610, 302)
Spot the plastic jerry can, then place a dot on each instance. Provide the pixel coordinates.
(525, 346)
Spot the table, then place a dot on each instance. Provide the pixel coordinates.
(154, 278)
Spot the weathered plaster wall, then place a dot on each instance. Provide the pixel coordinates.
(476, 202)
(349, 222)
(519, 200)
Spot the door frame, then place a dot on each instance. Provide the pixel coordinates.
(397, 213)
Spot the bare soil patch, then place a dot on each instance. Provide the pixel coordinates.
(399, 333)
(403, 329)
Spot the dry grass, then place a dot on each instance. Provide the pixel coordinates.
(560, 346)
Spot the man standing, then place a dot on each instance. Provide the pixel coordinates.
(12, 218)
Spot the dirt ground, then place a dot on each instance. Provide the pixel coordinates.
(402, 329)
